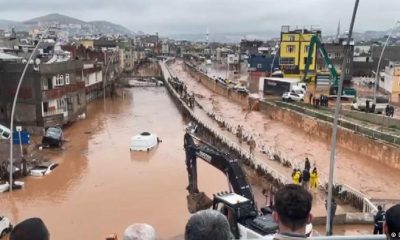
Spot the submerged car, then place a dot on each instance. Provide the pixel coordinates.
(5, 226)
(144, 142)
(43, 169)
(53, 137)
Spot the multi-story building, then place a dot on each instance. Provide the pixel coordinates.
(250, 47)
(293, 51)
(337, 54)
(51, 94)
(390, 80)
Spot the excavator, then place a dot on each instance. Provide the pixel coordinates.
(238, 205)
(334, 76)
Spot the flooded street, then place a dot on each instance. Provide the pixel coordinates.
(100, 187)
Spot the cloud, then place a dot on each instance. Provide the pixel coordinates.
(195, 16)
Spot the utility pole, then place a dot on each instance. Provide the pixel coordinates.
(329, 216)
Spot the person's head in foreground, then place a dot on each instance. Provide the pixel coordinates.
(207, 224)
(30, 229)
(292, 209)
(140, 231)
(391, 227)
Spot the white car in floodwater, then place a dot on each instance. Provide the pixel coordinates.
(43, 169)
(5, 186)
(144, 142)
(5, 226)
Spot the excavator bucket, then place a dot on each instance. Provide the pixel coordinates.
(198, 201)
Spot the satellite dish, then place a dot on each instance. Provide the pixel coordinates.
(37, 61)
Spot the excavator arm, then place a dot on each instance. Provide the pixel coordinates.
(229, 166)
(316, 42)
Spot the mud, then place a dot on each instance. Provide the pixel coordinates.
(353, 168)
(100, 187)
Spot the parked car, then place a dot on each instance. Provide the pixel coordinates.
(292, 96)
(43, 169)
(5, 226)
(53, 137)
(5, 132)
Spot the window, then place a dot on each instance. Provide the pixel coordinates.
(348, 60)
(59, 80)
(338, 55)
(291, 38)
(78, 99)
(286, 61)
(347, 71)
(290, 48)
(259, 66)
(67, 78)
(306, 48)
(60, 104)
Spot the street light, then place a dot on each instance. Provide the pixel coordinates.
(380, 59)
(15, 102)
(335, 126)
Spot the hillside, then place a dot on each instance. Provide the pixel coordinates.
(92, 27)
(54, 17)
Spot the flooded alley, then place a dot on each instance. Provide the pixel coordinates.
(100, 187)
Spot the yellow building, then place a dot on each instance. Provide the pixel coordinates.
(390, 80)
(293, 51)
(87, 43)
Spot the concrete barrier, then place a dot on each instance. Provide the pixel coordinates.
(378, 150)
(241, 98)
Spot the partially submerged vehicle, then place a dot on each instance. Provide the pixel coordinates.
(5, 186)
(5, 226)
(53, 137)
(5, 132)
(43, 169)
(144, 142)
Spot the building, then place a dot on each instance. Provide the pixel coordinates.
(249, 47)
(390, 80)
(336, 53)
(51, 94)
(93, 78)
(262, 63)
(293, 51)
(87, 43)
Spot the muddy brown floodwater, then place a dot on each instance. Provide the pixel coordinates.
(100, 187)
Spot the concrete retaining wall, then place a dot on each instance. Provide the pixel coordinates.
(379, 151)
(240, 98)
(373, 118)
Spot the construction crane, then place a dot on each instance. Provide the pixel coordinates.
(334, 76)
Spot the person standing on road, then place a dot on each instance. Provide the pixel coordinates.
(307, 164)
(239, 133)
(296, 177)
(314, 179)
(379, 219)
(305, 179)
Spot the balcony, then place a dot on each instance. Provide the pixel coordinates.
(53, 112)
(58, 92)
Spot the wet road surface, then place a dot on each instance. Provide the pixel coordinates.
(100, 187)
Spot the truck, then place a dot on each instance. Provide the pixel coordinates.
(278, 86)
(347, 92)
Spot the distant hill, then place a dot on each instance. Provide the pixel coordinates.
(108, 27)
(72, 25)
(54, 17)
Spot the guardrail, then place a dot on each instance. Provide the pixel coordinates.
(370, 132)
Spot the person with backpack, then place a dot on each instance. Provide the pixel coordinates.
(379, 219)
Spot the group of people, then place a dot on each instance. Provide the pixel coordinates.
(389, 111)
(291, 211)
(306, 178)
(322, 100)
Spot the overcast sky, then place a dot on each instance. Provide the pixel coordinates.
(194, 16)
